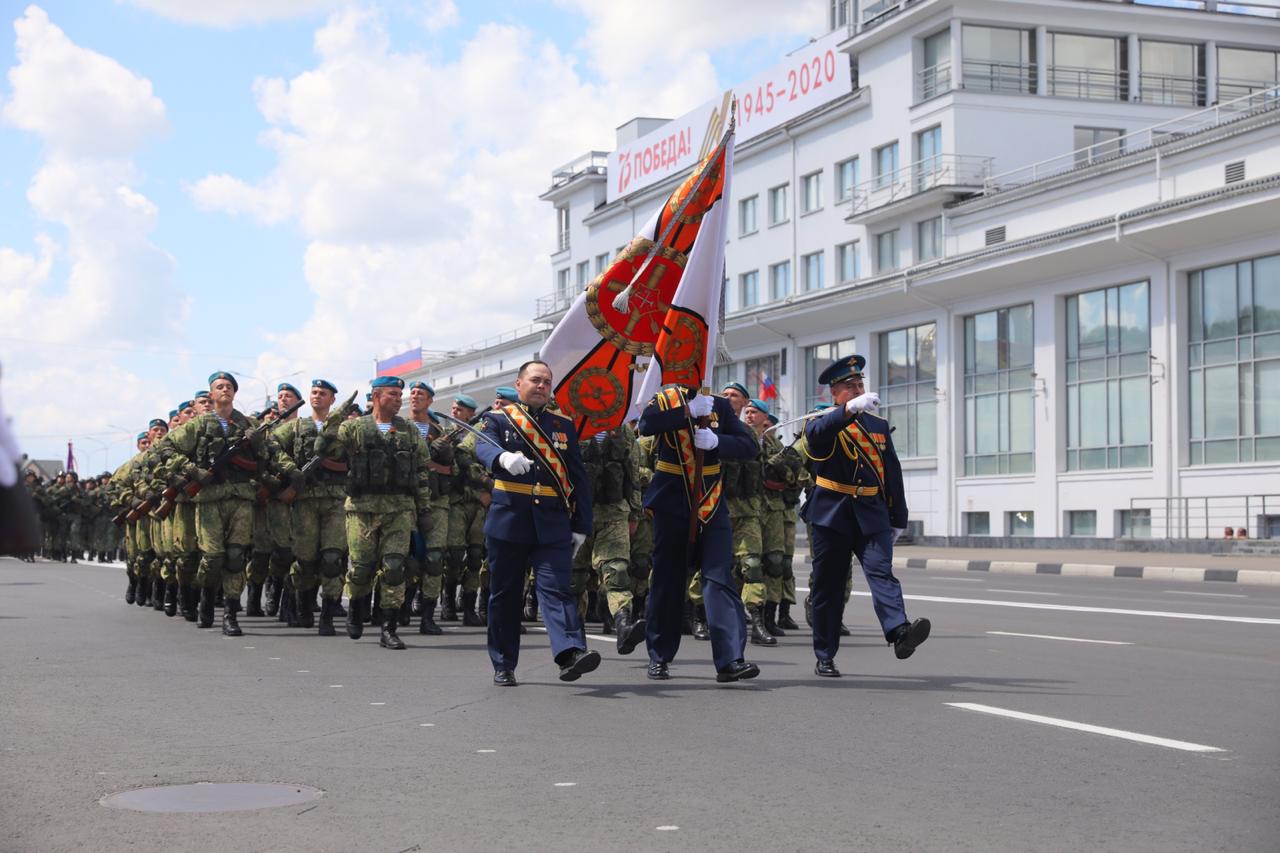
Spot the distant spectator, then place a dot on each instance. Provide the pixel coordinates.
(1228, 533)
(1241, 533)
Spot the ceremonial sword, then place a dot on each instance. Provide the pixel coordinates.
(797, 420)
(469, 428)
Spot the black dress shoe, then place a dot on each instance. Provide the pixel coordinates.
(504, 678)
(907, 637)
(826, 668)
(739, 670)
(844, 630)
(578, 662)
(658, 671)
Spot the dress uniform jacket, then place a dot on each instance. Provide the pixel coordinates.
(856, 471)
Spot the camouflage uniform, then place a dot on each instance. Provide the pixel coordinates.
(467, 510)
(429, 571)
(610, 460)
(778, 477)
(120, 496)
(744, 487)
(641, 558)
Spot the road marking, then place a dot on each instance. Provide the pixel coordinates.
(1136, 737)
(377, 703)
(1023, 591)
(250, 648)
(426, 725)
(273, 658)
(1076, 608)
(486, 750)
(565, 784)
(1206, 594)
(1067, 639)
(335, 685)
(303, 671)
(667, 828)
(959, 580)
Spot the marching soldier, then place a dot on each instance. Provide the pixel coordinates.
(775, 478)
(744, 488)
(427, 557)
(858, 508)
(794, 483)
(273, 534)
(119, 493)
(468, 506)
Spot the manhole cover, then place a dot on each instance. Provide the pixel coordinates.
(212, 797)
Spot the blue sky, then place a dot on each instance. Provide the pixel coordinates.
(290, 186)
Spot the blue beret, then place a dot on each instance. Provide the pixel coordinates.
(759, 405)
(737, 386)
(325, 384)
(424, 386)
(285, 386)
(467, 401)
(141, 436)
(156, 422)
(222, 374)
(173, 413)
(842, 369)
(507, 393)
(199, 394)
(773, 419)
(387, 382)
(185, 404)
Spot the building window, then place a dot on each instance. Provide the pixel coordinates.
(908, 396)
(886, 251)
(929, 239)
(723, 374)
(935, 66)
(1082, 522)
(1109, 378)
(749, 289)
(584, 274)
(1234, 358)
(811, 192)
(846, 178)
(929, 169)
(976, 523)
(563, 289)
(817, 359)
(998, 59)
(562, 229)
(999, 403)
(1133, 523)
(760, 374)
(1020, 523)
(747, 216)
(1171, 74)
(778, 209)
(1244, 72)
(780, 280)
(848, 265)
(886, 165)
(838, 13)
(811, 271)
(1097, 143)
(1091, 67)
(602, 261)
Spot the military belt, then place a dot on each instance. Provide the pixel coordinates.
(852, 491)
(536, 490)
(672, 468)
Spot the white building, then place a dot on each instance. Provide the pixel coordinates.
(1051, 226)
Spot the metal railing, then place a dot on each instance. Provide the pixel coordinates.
(553, 303)
(988, 75)
(1236, 88)
(1096, 84)
(1207, 517)
(932, 81)
(1156, 134)
(562, 241)
(964, 170)
(591, 163)
(1171, 90)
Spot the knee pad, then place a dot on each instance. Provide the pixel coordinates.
(614, 573)
(580, 581)
(457, 559)
(237, 556)
(330, 563)
(773, 564)
(475, 557)
(214, 563)
(753, 569)
(362, 574)
(392, 569)
(281, 557)
(433, 563)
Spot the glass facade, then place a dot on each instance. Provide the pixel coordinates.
(999, 403)
(1133, 523)
(998, 59)
(848, 266)
(886, 251)
(816, 360)
(810, 192)
(886, 164)
(747, 216)
(780, 280)
(1022, 523)
(846, 179)
(811, 271)
(1096, 143)
(929, 239)
(908, 379)
(976, 523)
(1109, 378)
(749, 289)
(1171, 73)
(778, 209)
(1244, 72)
(1082, 522)
(1087, 67)
(1234, 358)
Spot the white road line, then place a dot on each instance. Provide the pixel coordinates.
(1136, 737)
(1067, 639)
(1206, 594)
(1075, 608)
(1023, 591)
(958, 580)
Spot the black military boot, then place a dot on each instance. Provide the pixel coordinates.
(187, 602)
(355, 617)
(770, 622)
(389, 640)
(784, 617)
(230, 627)
(428, 624)
(375, 611)
(482, 607)
(157, 594)
(700, 629)
(687, 620)
(630, 633)
(274, 586)
(326, 618)
(403, 616)
(415, 603)
(759, 636)
(338, 609)
(469, 617)
(253, 607)
(171, 599)
(130, 590)
(530, 613)
(143, 597)
(302, 614)
(448, 604)
(206, 607)
(289, 608)
(606, 620)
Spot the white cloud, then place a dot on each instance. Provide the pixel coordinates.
(438, 15)
(233, 13)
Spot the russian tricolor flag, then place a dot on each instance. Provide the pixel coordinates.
(401, 363)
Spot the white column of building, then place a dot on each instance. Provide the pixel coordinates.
(1050, 404)
(957, 55)
(1164, 414)
(1135, 68)
(1210, 73)
(1042, 60)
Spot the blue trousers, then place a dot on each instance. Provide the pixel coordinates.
(832, 553)
(726, 618)
(507, 564)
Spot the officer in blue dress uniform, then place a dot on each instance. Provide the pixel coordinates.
(539, 516)
(673, 416)
(858, 508)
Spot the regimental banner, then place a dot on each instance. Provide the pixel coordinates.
(657, 300)
(810, 77)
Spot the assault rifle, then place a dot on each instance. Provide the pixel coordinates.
(337, 415)
(191, 486)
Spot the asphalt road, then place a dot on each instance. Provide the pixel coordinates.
(415, 750)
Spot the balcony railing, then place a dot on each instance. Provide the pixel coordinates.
(933, 81)
(1208, 517)
(1171, 90)
(1096, 84)
(1236, 88)
(941, 170)
(553, 303)
(1156, 134)
(562, 241)
(591, 163)
(989, 75)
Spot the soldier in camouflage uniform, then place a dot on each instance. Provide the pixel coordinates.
(793, 488)
(118, 494)
(273, 552)
(224, 506)
(150, 584)
(640, 565)
(426, 560)
(388, 495)
(744, 488)
(777, 477)
(186, 548)
(468, 505)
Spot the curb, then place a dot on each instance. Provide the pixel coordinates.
(1254, 577)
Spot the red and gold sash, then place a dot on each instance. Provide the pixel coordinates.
(673, 398)
(543, 450)
(858, 444)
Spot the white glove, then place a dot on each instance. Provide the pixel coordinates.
(578, 539)
(515, 463)
(898, 531)
(700, 406)
(705, 439)
(868, 402)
